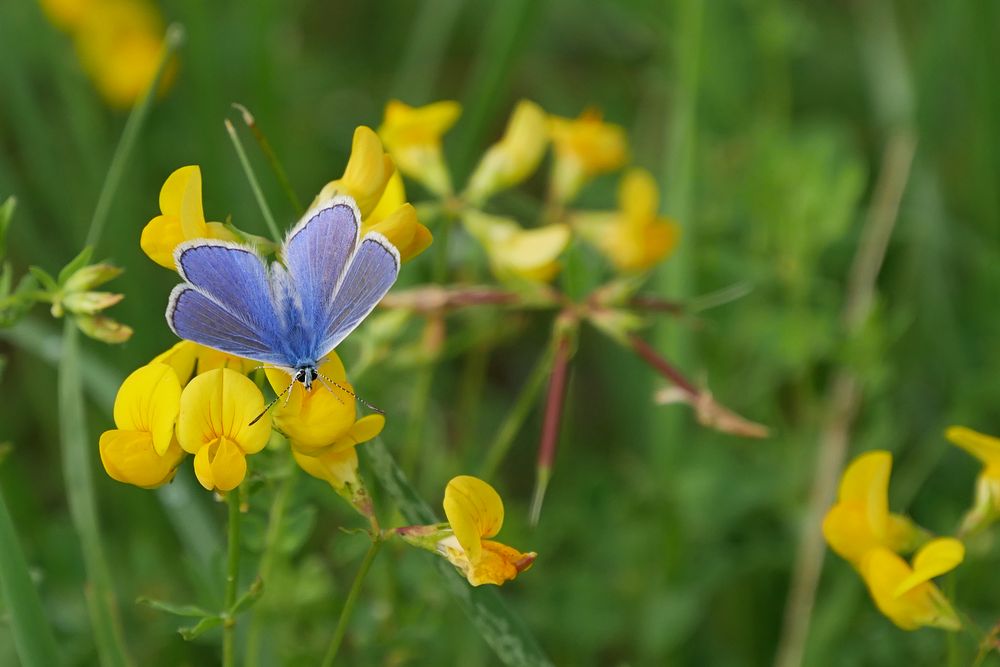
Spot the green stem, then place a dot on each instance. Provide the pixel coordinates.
(352, 599)
(232, 579)
(272, 157)
(172, 40)
(413, 444)
(267, 560)
(254, 184)
(515, 419)
(77, 452)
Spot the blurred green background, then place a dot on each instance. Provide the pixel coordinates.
(661, 542)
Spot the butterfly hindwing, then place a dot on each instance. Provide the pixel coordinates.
(371, 272)
(196, 317)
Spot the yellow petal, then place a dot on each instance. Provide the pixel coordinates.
(934, 559)
(360, 431)
(514, 252)
(159, 238)
(392, 198)
(149, 400)
(314, 419)
(923, 605)
(598, 146)
(404, 231)
(181, 357)
(984, 447)
(474, 511)
(515, 157)
(367, 172)
(175, 189)
(404, 125)
(129, 457)
(866, 482)
(220, 465)
(498, 563)
(638, 195)
(221, 404)
(336, 468)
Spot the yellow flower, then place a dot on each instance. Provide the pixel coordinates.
(905, 594)
(214, 425)
(66, 14)
(516, 253)
(515, 157)
(120, 43)
(396, 220)
(321, 420)
(861, 521)
(412, 136)
(986, 508)
(186, 357)
(635, 237)
(366, 175)
(475, 512)
(584, 147)
(142, 449)
(338, 468)
(181, 219)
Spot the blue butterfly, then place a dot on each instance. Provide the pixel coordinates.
(289, 315)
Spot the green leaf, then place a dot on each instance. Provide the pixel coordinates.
(249, 598)
(503, 630)
(6, 215)
(189, 610)
(76, 264)
(200, 628)
(28, 623)
(42, 276)
(296, 529)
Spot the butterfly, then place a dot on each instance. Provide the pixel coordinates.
(292, 314)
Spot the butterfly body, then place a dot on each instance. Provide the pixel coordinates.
(289, 315)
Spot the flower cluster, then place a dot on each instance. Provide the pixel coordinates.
(119, 43)
(862, 530)
(633, 238)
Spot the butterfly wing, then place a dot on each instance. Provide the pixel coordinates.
(316, 253)
(226, 302)
(370, 273)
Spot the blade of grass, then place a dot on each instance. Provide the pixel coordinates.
(502, 629)
(33, 639)
(254, 184)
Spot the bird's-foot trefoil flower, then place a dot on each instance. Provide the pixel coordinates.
(366, 175)
(635, 237)
(324, 418)
(514, 158)
(188, 359)
(412, 135)
(214, 424)
(181, 218)
(142, 449)
(396, 219)
(475, 513)
(860, 520)
(986, 448)
(905, 593)
(517, 254)
(583, 147)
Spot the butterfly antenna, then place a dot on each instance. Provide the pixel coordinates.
(351, 393)
(271, 404)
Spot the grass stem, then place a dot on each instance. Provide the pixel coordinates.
(352, 599)
(232, 579)
(258, 194)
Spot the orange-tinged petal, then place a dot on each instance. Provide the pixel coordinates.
(149, 400)
(129, 457)
(474, 511)
(933, 559)
(221, 404)
(498, 563)
(984, 447)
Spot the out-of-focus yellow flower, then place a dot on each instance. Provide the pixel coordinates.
(475, 513)
(635, 237)
(66, 14)
(322, 420)
(861, 521)
(905, 594)
(515, 157)
(185, 357)
(214, 424)
(412, 136)
(366, 175)
(182, 218)
(516, 253)
(584, 147)
(986, 448)
(396, 220)
(120, 43)
(142, 449)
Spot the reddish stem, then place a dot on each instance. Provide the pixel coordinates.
(656, 304)
(554, 404)
(662, 366)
